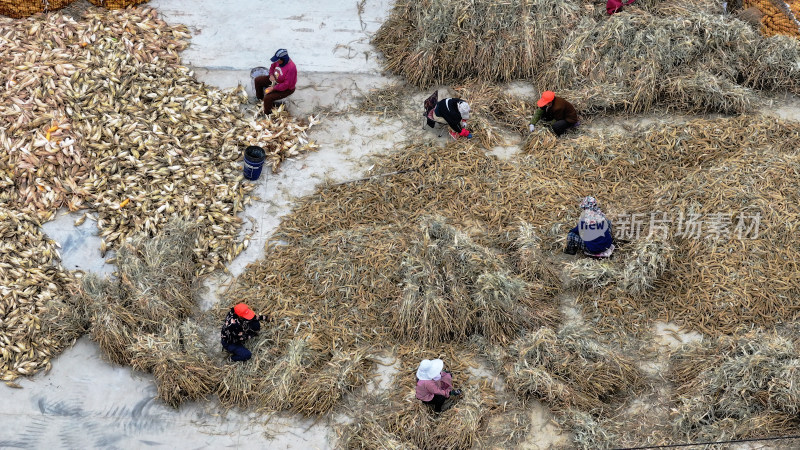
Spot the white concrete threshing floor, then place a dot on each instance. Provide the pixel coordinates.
(84, 402)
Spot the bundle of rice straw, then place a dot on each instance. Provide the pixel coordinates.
(113, 327)
(278, 387)
(570, 369)
(710, 63)
(159, 272)
(356, 266)
(647, 262)
(156, 284)
(179, 360)
(739, 386)
(464, 421)
(588, 432)
(67, 318)
(453, 287)
(238, 387)
(367, 431)
(437, 41)
(344, 372)
(590, 273)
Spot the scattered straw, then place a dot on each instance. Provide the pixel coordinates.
(570, 369)
(738, 386)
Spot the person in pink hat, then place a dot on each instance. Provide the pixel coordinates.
(558, 112)
(241, 324)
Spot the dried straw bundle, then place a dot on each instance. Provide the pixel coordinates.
(323, 390)
(737, 386)
(156, 285)
(453, 287)
(531, 264)
(635, 53)
(590, 273)
(648, 260)
(368, 430)
(570, 369)
(114, 329)
(278, 387)
(239, 386)
(465, 421)
(179, 360)
(438, 41)
(159, 272)
(588, 431)
(66, 319)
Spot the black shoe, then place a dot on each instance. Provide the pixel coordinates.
(570, 251)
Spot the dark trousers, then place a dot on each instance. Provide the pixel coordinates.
(262, 83)
(561, 126)
(436, 402)
(239, 352)
(574, 243)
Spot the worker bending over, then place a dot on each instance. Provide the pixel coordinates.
(454, 112)
(558, 112)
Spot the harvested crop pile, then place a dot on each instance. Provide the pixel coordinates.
(738, 386)
(480, 418)
(31, 280)
(570, 369)
(100, 114)
(707, 186)
(350, 251)
(778, 17)
(436, 41)
(344, 291)
(688, 60)
(453, 288)
(142, 317)
(178, 358)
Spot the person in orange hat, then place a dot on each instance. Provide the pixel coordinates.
(559, 112)
(241, 324)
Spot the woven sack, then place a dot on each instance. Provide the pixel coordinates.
(116, 4)
(26, 8)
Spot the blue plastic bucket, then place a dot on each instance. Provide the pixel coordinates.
(253, 162)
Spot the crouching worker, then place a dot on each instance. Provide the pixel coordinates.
(454, 112)
(435, 385)
(241, 324)
(280, 83)
(555, 110)
(593, 233)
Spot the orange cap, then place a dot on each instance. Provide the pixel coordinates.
(244, 311)
(547, 97)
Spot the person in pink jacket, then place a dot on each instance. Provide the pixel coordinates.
(280, 83)
(615, 6)
(434, 384)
